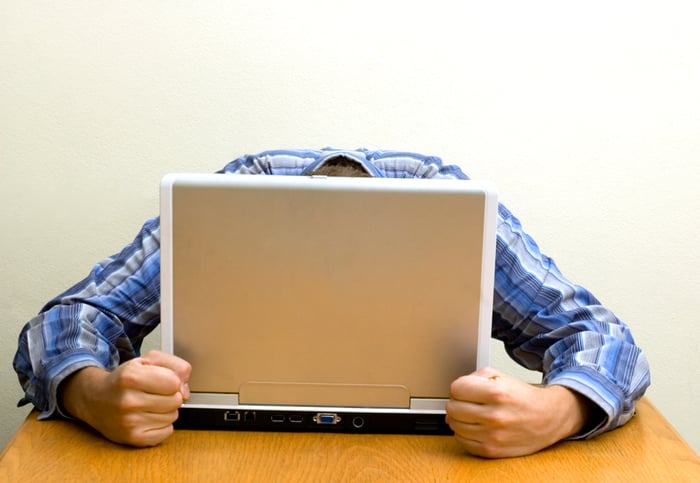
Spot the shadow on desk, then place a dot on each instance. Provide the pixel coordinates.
(646, 449)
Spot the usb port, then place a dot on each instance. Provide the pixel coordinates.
(326, 418)
(296, 418)
(277, 418)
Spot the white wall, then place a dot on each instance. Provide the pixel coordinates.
(586, 114)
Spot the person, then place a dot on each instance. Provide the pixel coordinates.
(80, 356)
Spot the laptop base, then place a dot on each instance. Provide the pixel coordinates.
(312, 421)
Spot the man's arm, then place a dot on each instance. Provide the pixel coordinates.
(593, 372)
(98, 323)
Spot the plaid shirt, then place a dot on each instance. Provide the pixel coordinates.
(546, 322)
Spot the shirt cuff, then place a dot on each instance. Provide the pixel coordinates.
(608, 398)
(68, 366)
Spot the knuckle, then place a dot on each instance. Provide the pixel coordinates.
(128, 402)
(498, 394)
(498, 419)
(127, 378)
(497, 439)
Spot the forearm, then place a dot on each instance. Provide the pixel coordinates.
(552, 325)
(592, 353)
(100, 321)
(75, 392)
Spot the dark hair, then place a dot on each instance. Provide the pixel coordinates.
(342, 166)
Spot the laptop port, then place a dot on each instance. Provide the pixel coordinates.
(358, 422)
(232, 416)
(249, 416)
(426, 425)
(296, 419)
(277, 418)
(326, 418)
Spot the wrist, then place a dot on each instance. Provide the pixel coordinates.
(74, 391)
(577, 412)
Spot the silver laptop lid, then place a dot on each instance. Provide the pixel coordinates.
(315, 291)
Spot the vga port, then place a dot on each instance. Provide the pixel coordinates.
(326, 418)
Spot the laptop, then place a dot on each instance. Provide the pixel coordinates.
(316, 303)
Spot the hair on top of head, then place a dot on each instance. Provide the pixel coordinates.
(342, 166)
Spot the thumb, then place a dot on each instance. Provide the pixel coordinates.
(488, 373)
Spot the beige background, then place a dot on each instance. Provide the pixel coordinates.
(586, 115)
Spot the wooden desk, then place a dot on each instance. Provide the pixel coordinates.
(646, 449)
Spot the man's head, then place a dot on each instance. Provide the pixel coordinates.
(342, 166)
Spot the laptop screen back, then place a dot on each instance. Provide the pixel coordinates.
(318, 292)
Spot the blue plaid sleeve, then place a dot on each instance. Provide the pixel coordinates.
(549, 324)
(101, 321)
